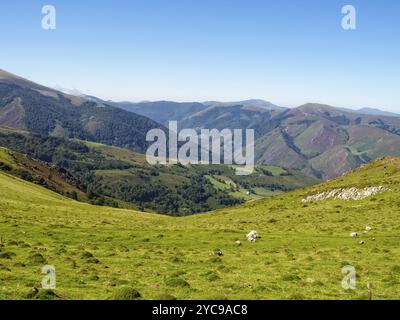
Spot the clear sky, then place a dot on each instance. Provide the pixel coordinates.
(288, 52)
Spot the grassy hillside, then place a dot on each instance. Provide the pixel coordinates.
(99, 251)
(40, 173)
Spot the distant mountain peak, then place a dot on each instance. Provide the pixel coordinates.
(258, 103)
(377, 112)
(316, 107)
(72, 92)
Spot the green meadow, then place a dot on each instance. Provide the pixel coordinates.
(107, 253)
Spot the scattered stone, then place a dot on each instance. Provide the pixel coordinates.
(238, 243)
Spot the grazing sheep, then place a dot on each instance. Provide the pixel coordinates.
(354, 234)
(368, 229)
(253, 236)
(361, 242)
(218, 252)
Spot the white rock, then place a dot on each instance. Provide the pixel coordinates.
(346, 194)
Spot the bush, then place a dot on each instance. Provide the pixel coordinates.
(7, 255)
(5, 167)
(73, 195)
(42, 294)
(86, 255)
(36, 258)
(213, 277)
(176, 282)
(290, 277)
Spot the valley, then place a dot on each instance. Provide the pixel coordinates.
(113, 176)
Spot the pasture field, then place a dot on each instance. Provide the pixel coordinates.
(106, 253)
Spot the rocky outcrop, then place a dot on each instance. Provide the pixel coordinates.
(346, 194)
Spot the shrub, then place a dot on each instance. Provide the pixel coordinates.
(86, 255)
(36, 258)
(42, 294)
(177, 282)
(290, 277)
(216, 260)
(7, 255)
(4, 268)
(166, 296)
(213, 277)
(127, 293)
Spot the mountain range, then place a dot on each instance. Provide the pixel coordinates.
(320, 140)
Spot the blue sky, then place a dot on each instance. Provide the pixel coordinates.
(288, 52)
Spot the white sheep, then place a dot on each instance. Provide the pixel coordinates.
(253, 236)
(368, 229)
(354, 234)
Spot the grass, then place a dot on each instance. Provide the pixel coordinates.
(255, 193)
(6, 158)
(105, 253)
